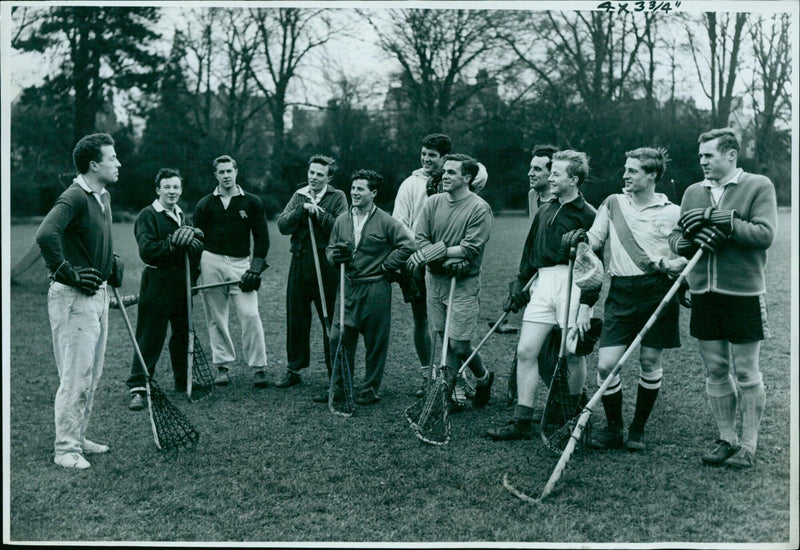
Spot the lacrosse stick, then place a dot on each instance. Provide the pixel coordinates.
(429, 418)
(325, 321)
(216, 285)
(492, 330)
(557, 406)
(127, 300)
(197, 367)
(583, 416)
(171, 428)
(342, 401)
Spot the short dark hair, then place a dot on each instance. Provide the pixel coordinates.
(469, 165)
(88, 150)
(223, 159)
(652, 159)
(578, 163)
(374, 179)
(439, 142)
(166, 173)
(325, 160)
(727, 139)
(545, 150)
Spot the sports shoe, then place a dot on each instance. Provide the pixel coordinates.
(74, 461)
(367, 398)
(635, 441)
(606, 438)
(289, 379)
(92, 448)
(483, 393)
(260, 379)
(741, 459)
(720, 453)
(423, 388)
(222, 378)
(137, 402)
(513, 429)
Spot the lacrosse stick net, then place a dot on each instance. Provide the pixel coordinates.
(199, 379)
(171, 428)
(429, 418)
(576, 427)
(341, 400)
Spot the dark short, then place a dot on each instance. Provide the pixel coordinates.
(630, 303)
(737, 319)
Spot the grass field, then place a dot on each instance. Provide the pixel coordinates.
(273, 466)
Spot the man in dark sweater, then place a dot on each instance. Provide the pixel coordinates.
(228, 217)
(372, 244)
(164, 237)
(322, 204)
(75, 240)
(544, 302)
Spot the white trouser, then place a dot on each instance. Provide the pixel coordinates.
(216, 268)
(80, 329)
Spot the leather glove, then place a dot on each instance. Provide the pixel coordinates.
(415, 261)
(685, 247)
(684, 296)
(251, 280)
(198, 233)
(517, 297)
(721, 219)
(85, 279)
(195, 247)
(182, 237)
(117, 271)
(455, 267)
(341, 253)
(691, 221)
(709, 238)
(570, 241)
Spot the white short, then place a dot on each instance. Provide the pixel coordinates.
(548, 297)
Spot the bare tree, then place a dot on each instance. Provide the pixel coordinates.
(718, 68)
(285, 39)
(437, 50)
(770, 88)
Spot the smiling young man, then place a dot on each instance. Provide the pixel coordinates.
(633, 229)
(371, 244)
(229, 217)
(544, 303)
(538, 175)
(75, 240)
(732, 214)
(164, 237)
(407, 205)
(451, 233)
(320, 202)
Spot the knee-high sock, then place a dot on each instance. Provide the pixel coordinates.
(752, 398)
(612, 403)
(646, 395)
(722, 400)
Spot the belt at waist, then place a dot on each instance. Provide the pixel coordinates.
(364, 280)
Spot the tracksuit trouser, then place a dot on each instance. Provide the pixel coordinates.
(79, 324)
(302, 290)
(368, 311)
(162, 302)
(216, 268)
